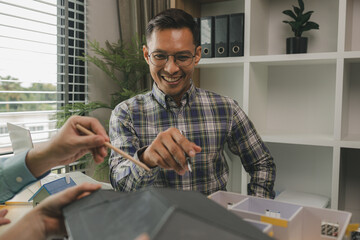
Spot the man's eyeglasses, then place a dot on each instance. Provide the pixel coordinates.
(159, 59)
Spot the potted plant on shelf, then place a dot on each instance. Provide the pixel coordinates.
(299, 24)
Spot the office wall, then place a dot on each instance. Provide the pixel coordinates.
(102, 25)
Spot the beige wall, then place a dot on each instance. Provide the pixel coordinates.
(102, 25)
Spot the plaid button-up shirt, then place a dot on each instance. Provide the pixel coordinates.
(205, 118)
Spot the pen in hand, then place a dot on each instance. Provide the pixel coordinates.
(186, 156)
(122, 153)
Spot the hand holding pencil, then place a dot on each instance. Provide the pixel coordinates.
(68, 145)
(107, 144)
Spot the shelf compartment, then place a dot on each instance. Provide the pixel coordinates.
(303, 168)
(349, 191)
(350, 129)
(268, 33)
(352, 30)
(287, 99)
(224, 81)
(301, 139)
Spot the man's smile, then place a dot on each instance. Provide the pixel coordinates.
(174, 79)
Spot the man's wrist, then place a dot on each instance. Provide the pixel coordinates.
(141, 157)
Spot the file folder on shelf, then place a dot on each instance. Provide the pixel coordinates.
(222, 36)
(207, 37)
(236, 34)
(197, 21)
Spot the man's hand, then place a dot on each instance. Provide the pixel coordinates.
(68, 145)
(3, 220)
(168, 151)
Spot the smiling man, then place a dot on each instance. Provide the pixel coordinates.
(178, 130)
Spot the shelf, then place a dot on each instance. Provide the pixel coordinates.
(303, 168)
(295, 59)
(314, 140)
(351, 101)
(225, 81)
(352, 56)
(221, 62)
(351, 141)
(306, 107)
(292, 99)
(352, 30)
(268, 33)
(273, 60)
(349, 191)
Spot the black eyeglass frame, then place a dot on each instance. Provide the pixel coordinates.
(174, 55)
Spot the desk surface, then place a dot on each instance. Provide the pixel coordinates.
(15, 212)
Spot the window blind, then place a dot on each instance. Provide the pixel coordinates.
(40, 42)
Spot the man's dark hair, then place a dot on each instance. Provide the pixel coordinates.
(173, 18)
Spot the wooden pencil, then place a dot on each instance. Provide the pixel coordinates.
(122, 153)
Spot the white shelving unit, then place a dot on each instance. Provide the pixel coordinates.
(306, 107)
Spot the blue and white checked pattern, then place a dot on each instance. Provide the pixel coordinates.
(207, 119)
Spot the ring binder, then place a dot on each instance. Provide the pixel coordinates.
(236, 34)
(207, 37)
(222, 36)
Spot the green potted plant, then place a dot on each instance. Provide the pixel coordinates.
(300, 23)
(123, 63)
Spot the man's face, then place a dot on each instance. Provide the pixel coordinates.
(170, 78)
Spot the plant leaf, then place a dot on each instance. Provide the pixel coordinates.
(304, 18)
(310, 25)
(309, 12)
(301, 5)
(80, 109)
(290, 14)
(297, 11)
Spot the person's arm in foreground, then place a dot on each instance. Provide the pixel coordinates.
(65, 147)
(46, 219)
(68, 145)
